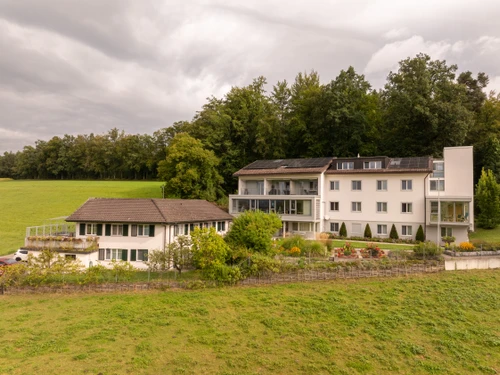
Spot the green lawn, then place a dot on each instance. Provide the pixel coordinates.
(446, 323)
(27, 203)
(488, 235)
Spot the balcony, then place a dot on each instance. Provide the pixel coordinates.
(59, 237)
(62, 243)
(451, 213)
(300, 206)
(279, 187)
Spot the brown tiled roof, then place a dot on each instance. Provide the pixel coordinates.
(151, 211)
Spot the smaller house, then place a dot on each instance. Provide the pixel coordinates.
(107, 229)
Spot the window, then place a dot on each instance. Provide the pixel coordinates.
(382, 207)
(345, 165)
(117, 230)
(372, 165)
(356, 206)
(334, 185)
(221, 226)
(446, 231)
(381, 185)
(406, 208)
(70, 256)
(142, 255)
(334, 227)
(437, 185)
(334, 206)
(91, 229)
(116, 254)
(406, 230)
(437, 169)
(381, 229)
(186, 229)
(356, 185)
(406, 184)
(145, 230)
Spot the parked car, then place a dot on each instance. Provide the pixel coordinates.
(21, 255)
(5, 262)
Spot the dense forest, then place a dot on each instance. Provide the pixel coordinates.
(424, 106)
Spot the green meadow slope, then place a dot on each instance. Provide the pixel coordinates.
(26, 203)
(446, 323)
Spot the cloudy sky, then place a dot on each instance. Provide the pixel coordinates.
(80, 67)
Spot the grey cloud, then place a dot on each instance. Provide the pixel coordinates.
(79, 67)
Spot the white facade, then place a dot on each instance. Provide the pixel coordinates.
(379, 193)
(382, 200)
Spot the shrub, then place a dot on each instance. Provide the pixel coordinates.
(427, 250)
(313, 248)
(294, 251)
(343, 230)
(254, 230)
(394, 233)
(259, 263)
(466, 246)
(420, 234)
(294, 241)
(368, 231)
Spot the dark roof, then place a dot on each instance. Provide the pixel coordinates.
(282, 166)
(421, 164)
(151, 211)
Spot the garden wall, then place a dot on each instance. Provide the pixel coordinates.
(272, 278)
(471, 263)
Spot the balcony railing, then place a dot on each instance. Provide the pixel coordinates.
(449, 218)
(62, 243)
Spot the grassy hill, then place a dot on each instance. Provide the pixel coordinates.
(446, 323)
(29, 203)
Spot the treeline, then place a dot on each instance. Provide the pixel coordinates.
(423, 107)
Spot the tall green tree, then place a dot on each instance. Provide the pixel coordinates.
(425, 109)
(190, 171)
(343, 121)
(488, 200)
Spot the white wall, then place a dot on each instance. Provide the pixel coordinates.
(369, 196)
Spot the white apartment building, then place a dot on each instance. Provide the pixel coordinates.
(318, 195)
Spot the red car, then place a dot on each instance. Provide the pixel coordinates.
(4, 262)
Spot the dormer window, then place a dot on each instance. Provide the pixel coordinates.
(372, 165)
(345, 165)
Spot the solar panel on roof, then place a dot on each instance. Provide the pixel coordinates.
(288, 163)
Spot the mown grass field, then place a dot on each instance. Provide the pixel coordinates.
(445, 323)
(28, 203)
(488, 235)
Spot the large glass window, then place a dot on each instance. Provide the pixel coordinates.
(356, 185)
(451, 212)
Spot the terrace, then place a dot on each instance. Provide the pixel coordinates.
(58, 237)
